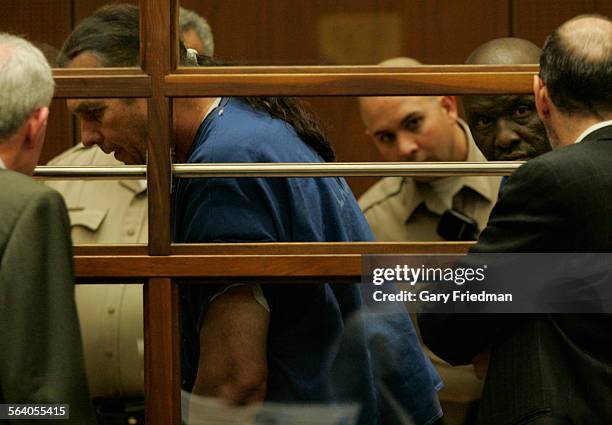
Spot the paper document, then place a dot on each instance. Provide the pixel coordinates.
(198, 410)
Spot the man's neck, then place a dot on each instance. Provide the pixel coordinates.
(188, 115)
(460, 151)
(10, 149)
(572, 127)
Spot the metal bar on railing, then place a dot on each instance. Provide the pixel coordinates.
(124, 172)
(352, 169)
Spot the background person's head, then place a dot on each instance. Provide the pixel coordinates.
(26, 90)
(413, 128)
(575, 81)
(505, 128)
(196, 32)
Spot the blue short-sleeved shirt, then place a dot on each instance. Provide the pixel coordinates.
(307, 322)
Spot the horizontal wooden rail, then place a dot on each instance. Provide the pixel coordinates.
(101, 83)
(349, 83)
(281, 248)
(97, 72)
(222, 267)
(370, 69)
(300, 262)
(297, 81)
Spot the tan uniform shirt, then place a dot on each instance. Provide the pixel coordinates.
(107, 211)
(102, 211)
(400, 209)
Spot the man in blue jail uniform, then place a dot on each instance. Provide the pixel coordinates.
(115, 212)
(246, 342)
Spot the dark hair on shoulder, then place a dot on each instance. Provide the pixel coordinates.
(577, 83)
(288, 109)
(295, 113)
(112, 34)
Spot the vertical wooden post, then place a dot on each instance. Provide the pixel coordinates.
(162, 359)
(158, 49)
(156, 45)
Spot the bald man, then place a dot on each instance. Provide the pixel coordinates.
(550, 368)
(506, 128)
(420, 129)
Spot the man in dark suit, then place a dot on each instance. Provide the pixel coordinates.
(550, 369)
(41, 359)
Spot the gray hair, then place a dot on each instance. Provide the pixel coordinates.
(26, 82)
(189, 20)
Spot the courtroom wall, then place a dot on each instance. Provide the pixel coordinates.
(299, 32)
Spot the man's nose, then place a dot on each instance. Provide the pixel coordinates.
(505, 136)
(90, 133)
(406, 147)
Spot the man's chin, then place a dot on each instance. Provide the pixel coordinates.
(515, 157)
(120, 155)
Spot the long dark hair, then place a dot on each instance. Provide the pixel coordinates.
(112, 34)
(288, 109)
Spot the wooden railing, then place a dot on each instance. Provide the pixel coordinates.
(209, 263)
(160, 262)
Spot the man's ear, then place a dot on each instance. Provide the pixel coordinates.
(449, 106)
(37, 128)
(542, 100)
